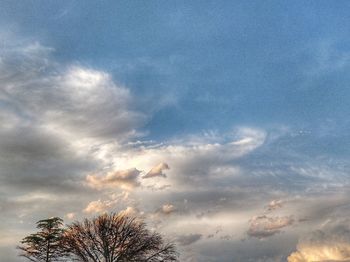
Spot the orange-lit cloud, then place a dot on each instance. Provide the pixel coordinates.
(157, 171)
(125, 179)
(323, 246)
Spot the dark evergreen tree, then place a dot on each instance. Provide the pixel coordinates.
(45, 245)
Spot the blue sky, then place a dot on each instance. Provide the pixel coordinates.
(240, 108)
(219, 64)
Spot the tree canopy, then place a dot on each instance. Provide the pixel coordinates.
(116, 237)
(44, 245)
(106, 238)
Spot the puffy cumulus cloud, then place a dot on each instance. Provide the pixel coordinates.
(157, 171)
(331, 244)
(125, 179)
(111, 203)
(98, 206)
(264, 226)
(186, 240)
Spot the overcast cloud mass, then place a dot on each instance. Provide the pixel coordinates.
(224, 124)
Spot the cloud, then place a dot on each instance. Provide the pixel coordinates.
(274, 204)
(265, 226)
(193, 159)
(56, 120)
(326, 58)
(186, 240)
(59, 123)
(157, 171)
(324, 245)
(80, 102)
(108, 204)
(98, 206)
(70, 215)
(168, 209)
(131, 211)
(125, 179)
(66, 126)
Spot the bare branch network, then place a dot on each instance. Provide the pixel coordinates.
(106, 238)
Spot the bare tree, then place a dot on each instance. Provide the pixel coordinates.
(45, 245)
(116, 238)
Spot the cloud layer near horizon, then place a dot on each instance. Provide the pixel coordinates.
(72, 143)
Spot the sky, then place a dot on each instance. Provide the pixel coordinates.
(223, 124)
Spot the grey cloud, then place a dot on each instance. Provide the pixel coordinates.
(253, 250)
(9, 253)
(155, 188)
(55, 117)
(266, 226)
(56, 122)
(186, 240)
(31, 158)
(76, 100)
(60, 123)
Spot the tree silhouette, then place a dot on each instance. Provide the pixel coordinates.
(116, 238)
(45, 245)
